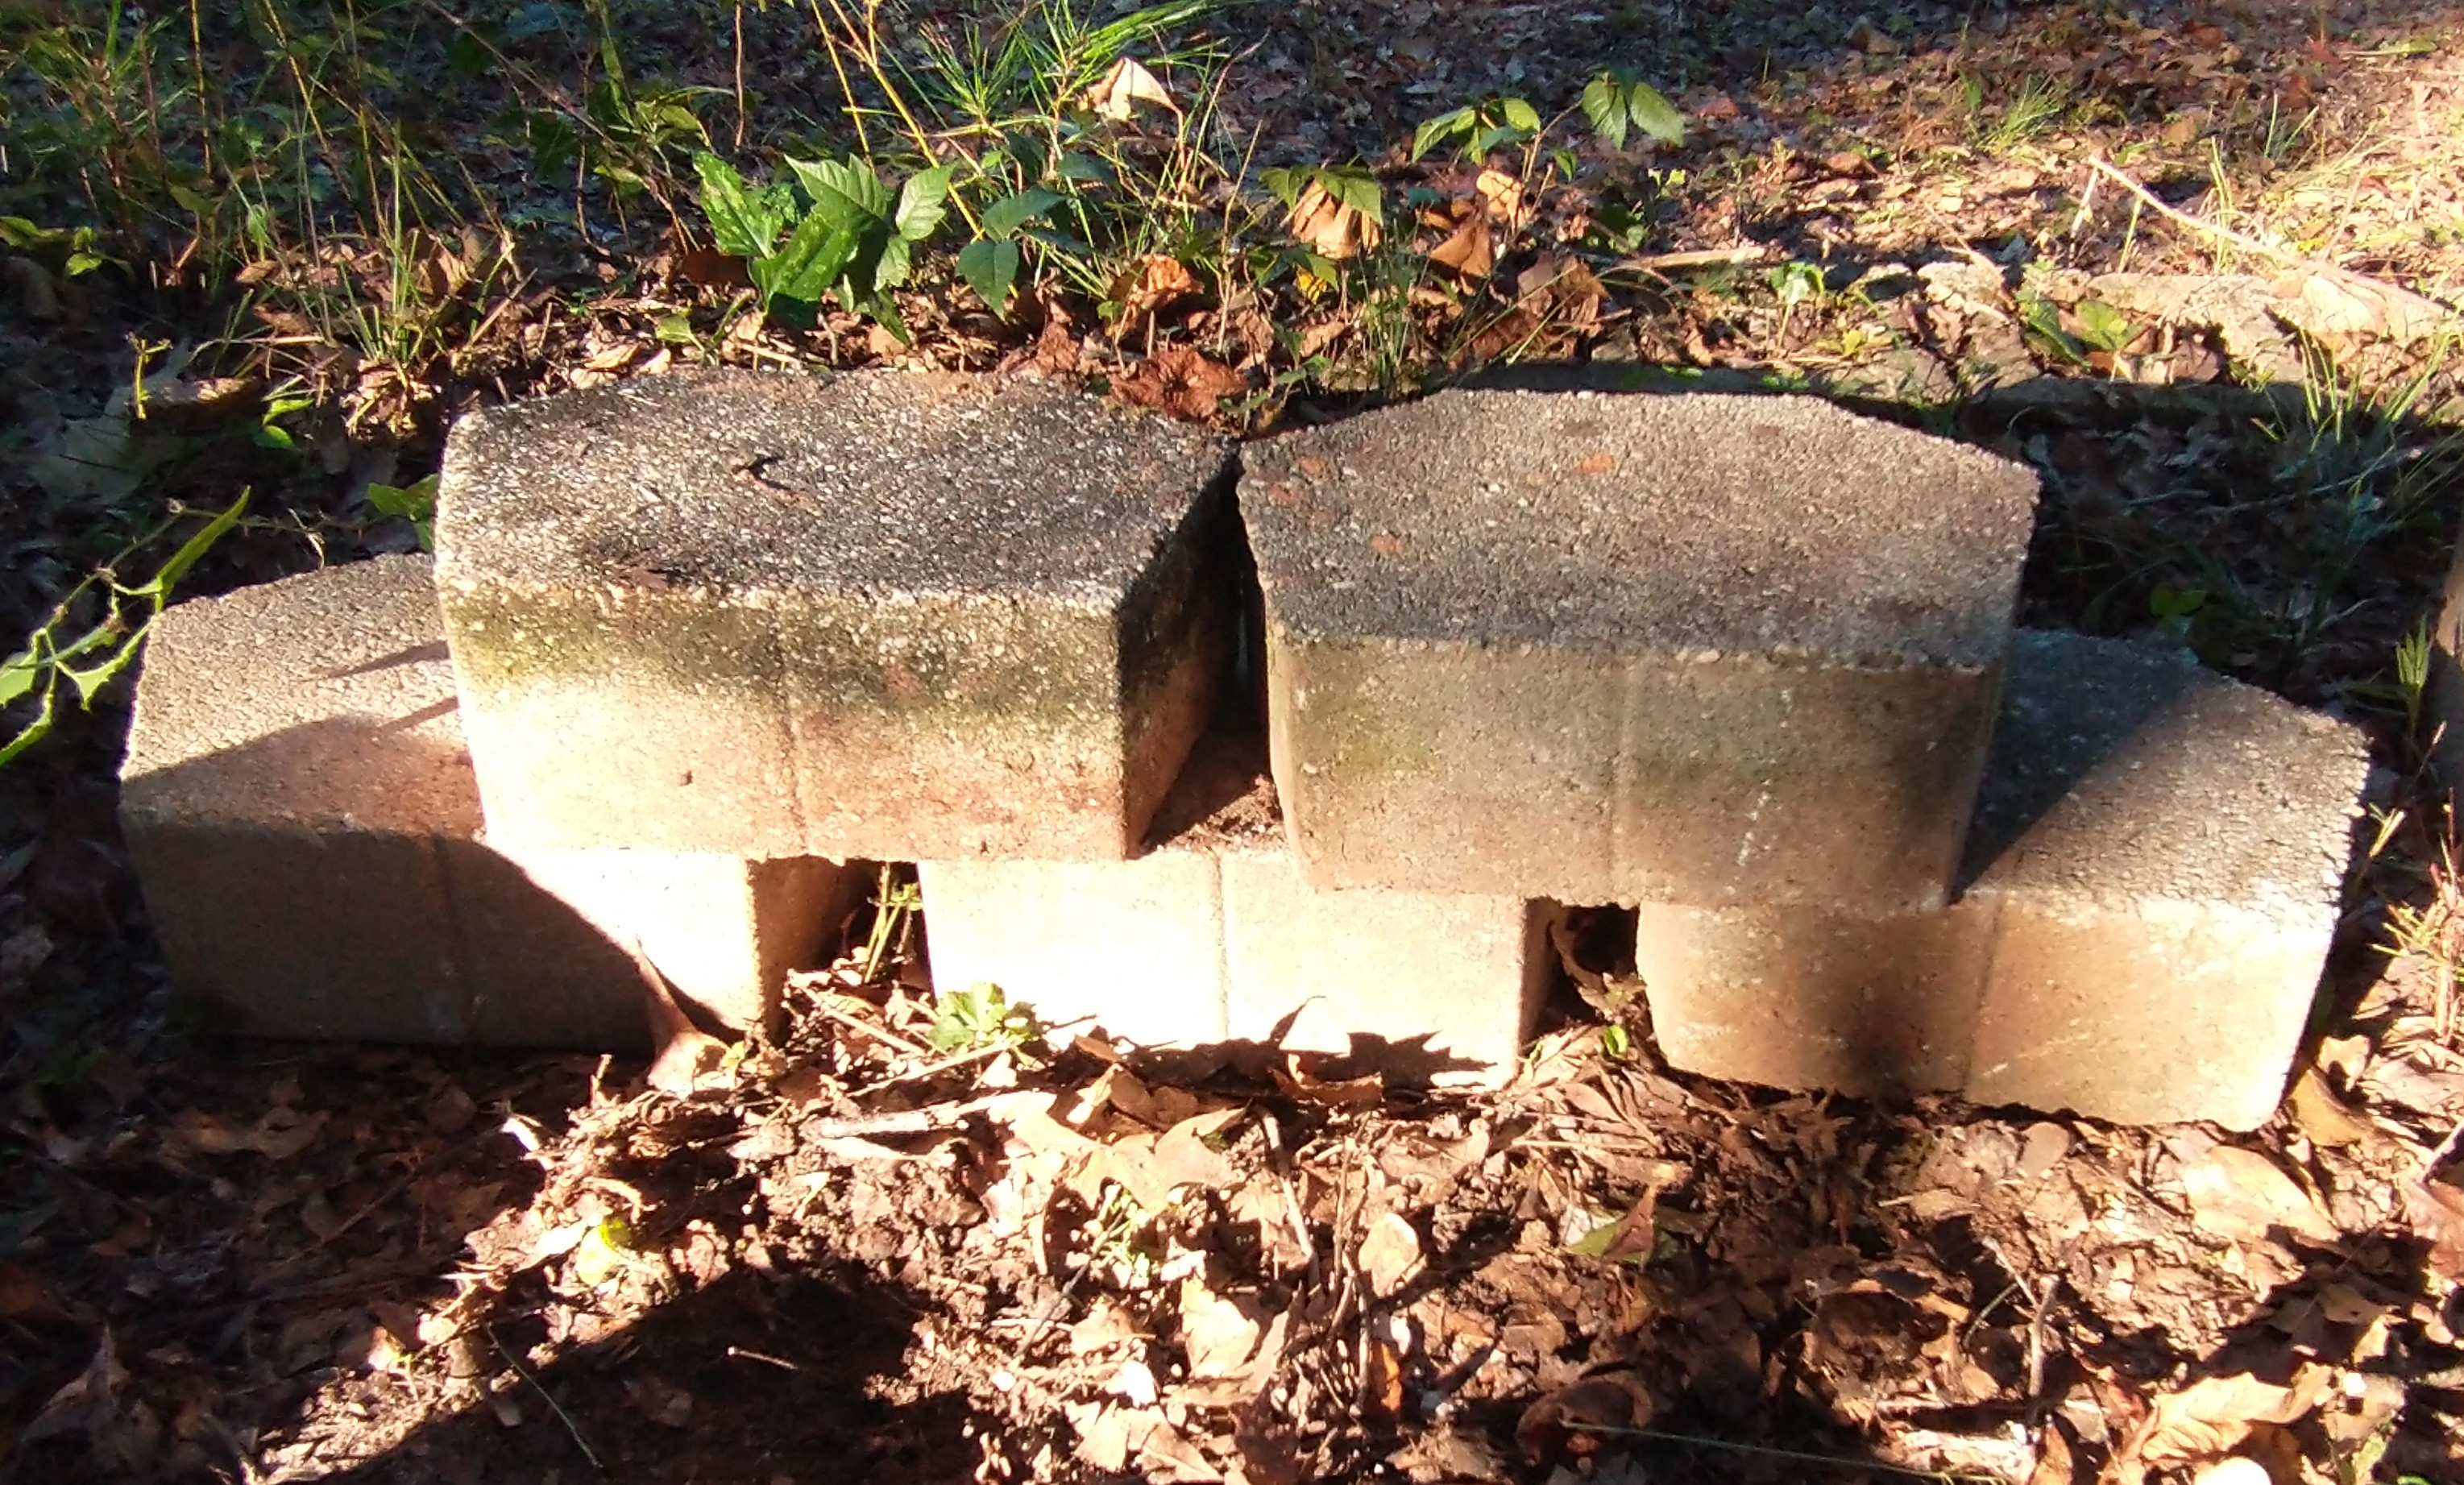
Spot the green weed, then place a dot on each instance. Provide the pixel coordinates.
(87, 661)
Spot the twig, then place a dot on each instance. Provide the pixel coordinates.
(1693, 257)
(821, 1003)
(554, 1406)
(905, 1120)
(781, 1362)
(2249, 244)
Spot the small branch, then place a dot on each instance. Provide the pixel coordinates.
(1696, 257)
(570, 1426)
(2247, 243)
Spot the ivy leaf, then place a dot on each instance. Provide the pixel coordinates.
(990, 268)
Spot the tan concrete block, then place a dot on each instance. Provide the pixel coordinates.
(1809, 998)
(304, 822)
(1712, 649)
(883, 615)
(2162, 929)
(1134, 945)
(1211, 936)
(1435, 988)
(2156, 861)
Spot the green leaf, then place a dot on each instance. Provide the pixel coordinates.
(18, 675)
(1520, 114)
(555, 146)
(1085, 170)
(1005, 216)
(84, 263)
(743, 221)
(467, 56)
(844, 193)
(812, 262)
(1426, 138)
(159, 587)
(882, 309)
(412, 502)
(922, 202)
(30, 733)
(891, 265)
(990, 268)
(1356, 187)
(1654, 115)
(1604, 105)
(2103, 326)
(1284, 183)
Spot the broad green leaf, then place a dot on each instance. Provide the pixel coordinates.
(1429, 135)
(1356, 188)
(742, 222)
(1086, 169)
(1005, 216)
(990, 268)
(886, 313)
(1282, 182)
(1654, 115)
(1604, 105)
(815, 257)
(416, 501)
(2103, 326)
(846, 193)
(892, 265)
(922, 202)
(1520, 114)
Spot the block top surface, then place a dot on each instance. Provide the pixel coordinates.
(326, 696)
(2141, 778)
(1766, 524)
(752, 484)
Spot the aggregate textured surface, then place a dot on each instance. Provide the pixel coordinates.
(753, 483)
(372, 741)
(301, 806)
(1721, 523)
(2210, 792)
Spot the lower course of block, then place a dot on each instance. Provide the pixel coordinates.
(2153, 881)
(307, 830)
(1212, 938)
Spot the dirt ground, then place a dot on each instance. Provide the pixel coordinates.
(846, 1255)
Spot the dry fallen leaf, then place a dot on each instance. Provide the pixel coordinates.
(1470, 251)
(1390, 1255)
(2210, 1418)
(1181, 383)
(1221, 1333)
(1565, 1421)
(1152, 284)
(2241, 1195)
(1128, 85)
(1330, 229)
(2327, 1120)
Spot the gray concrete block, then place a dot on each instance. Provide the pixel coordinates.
(2152, 886)
(2160, 931)
(1710, 649)
(889, 616)
(303, 819)
(1211, 936)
